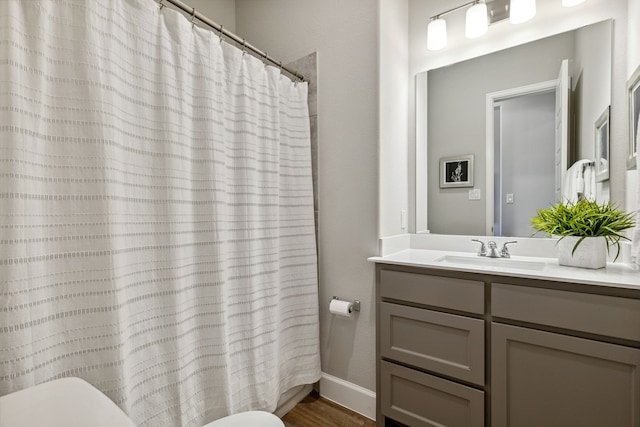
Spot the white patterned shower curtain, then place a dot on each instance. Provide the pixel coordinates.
(156, 213)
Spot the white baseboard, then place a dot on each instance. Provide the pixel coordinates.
(349, 395)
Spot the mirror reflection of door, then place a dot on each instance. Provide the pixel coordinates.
(524, 159)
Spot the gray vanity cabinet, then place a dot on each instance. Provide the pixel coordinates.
(460, 349)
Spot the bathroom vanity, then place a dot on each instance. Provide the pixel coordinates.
(462, 343)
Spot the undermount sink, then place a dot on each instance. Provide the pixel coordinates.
(478, 261)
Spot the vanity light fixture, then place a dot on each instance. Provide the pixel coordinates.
(476, 23)
(437, 34)
(478, 18)
(521, 11)
(571, 3)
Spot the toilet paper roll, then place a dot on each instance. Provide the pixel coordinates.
(341, 308)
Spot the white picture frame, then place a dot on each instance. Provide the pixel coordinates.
(456, 171)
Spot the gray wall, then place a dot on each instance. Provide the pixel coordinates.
(528, 172)
(456, 121)
(345, 37)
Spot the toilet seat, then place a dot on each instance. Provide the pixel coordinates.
(72, 402)
(248, 419)
(65, 402)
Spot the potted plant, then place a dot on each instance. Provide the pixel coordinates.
(586, 231)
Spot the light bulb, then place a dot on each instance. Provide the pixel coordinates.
(571, 3)
(477, 21)
(437, 34)
(521, 11)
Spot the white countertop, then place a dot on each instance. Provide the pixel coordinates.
(614, 275)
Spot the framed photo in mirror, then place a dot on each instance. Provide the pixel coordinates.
(602, 146)
(633, 106)
(456, 171)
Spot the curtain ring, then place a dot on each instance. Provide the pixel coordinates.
(161, 4)
(264, 60)
(221, 34)
(280, 67)
(193, 18)
(244, 46)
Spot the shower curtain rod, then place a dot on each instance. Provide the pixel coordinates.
(242, 42)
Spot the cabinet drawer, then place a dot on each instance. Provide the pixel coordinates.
(439, 342)
(446, 292)
(418, 399)
(597, 314)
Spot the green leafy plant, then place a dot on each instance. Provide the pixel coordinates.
(584, 219)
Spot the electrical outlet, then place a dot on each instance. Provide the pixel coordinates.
(510, 198)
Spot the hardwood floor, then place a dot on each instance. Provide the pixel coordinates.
(315, 411)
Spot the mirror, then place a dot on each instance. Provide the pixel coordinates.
(509, 112)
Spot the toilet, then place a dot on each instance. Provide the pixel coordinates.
(57, 404)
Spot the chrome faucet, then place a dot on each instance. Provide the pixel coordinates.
(483, 248)
(504, 252)
(493, 252)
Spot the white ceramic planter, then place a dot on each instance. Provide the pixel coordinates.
(592, 252)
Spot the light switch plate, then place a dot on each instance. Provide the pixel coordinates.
(474, 194)
(510, 198)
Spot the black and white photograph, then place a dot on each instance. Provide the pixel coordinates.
(456, 171)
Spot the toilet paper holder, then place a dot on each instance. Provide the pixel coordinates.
(355, 305)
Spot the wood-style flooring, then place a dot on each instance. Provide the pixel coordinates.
(316, 411)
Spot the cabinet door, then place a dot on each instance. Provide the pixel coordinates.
(552, 380)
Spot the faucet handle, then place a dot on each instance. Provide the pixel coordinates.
(504, 252)
(483, 248)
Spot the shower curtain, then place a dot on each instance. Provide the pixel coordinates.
(156, 213)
